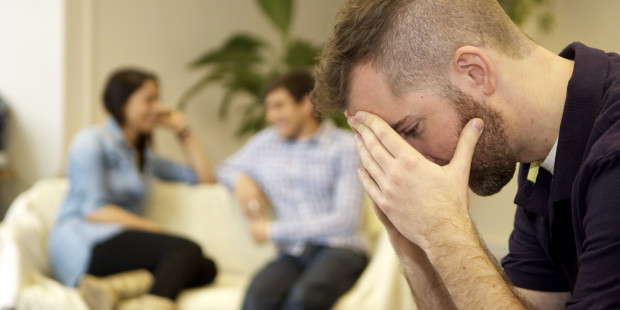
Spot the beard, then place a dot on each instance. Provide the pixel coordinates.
(493, 164)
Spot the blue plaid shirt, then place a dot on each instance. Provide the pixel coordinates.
(312, 184)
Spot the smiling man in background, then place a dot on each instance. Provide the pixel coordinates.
(447, 94)
(306, 169)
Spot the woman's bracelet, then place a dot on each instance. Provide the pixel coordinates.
(184, 133)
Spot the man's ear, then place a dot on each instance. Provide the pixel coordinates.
(472, 70)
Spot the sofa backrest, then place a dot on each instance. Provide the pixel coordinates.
(209, 215)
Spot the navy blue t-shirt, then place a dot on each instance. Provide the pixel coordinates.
(566, 233)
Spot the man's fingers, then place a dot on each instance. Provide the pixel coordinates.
(368, 140)
(371, 187)
(389, 138)
(382, 217)
(466, 145)
(373, 144)
(374, 170)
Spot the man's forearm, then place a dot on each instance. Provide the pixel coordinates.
(426, 286)
(469, 274)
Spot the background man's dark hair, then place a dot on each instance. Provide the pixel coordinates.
(298, 83)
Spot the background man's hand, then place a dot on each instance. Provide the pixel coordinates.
(251, 198)
(259, 229)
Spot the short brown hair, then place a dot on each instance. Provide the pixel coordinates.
(298, 83)
(410, 41)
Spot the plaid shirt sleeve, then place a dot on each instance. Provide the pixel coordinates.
(228, 172)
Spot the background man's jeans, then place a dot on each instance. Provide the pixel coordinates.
(313, 280)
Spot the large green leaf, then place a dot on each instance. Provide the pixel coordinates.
(227, 58)
(279, 13)
(300, 54)
(250, 81)
(211, 77)
(252, 119)
(244, 48)
(226, 101)
(232, 65)
(243, 81)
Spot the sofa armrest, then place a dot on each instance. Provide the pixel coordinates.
(22, 250)
(9, 268)
(23, 237)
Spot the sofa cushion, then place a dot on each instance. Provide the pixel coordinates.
(226, 293)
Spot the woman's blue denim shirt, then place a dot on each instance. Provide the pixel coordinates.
(101, 170)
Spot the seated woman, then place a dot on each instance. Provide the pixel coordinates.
(99, 239)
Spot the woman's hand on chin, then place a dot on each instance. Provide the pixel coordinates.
(171, 118)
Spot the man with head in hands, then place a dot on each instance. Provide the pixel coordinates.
(446, 94)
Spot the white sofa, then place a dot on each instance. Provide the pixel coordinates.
(207, 214)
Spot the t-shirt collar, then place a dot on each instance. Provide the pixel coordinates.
(549, 162)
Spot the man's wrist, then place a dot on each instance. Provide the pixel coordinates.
(459, 230)
(268, 230)
(271, 230)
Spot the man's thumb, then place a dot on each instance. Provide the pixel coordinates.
(467, 144)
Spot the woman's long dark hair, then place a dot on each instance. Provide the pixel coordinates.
(119, 88)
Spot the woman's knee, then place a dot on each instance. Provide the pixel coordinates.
(209, 271)
(187, 248)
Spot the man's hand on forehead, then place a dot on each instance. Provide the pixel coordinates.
(417, 195)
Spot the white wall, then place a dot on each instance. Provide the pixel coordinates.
(32, 82)
(594, 23)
